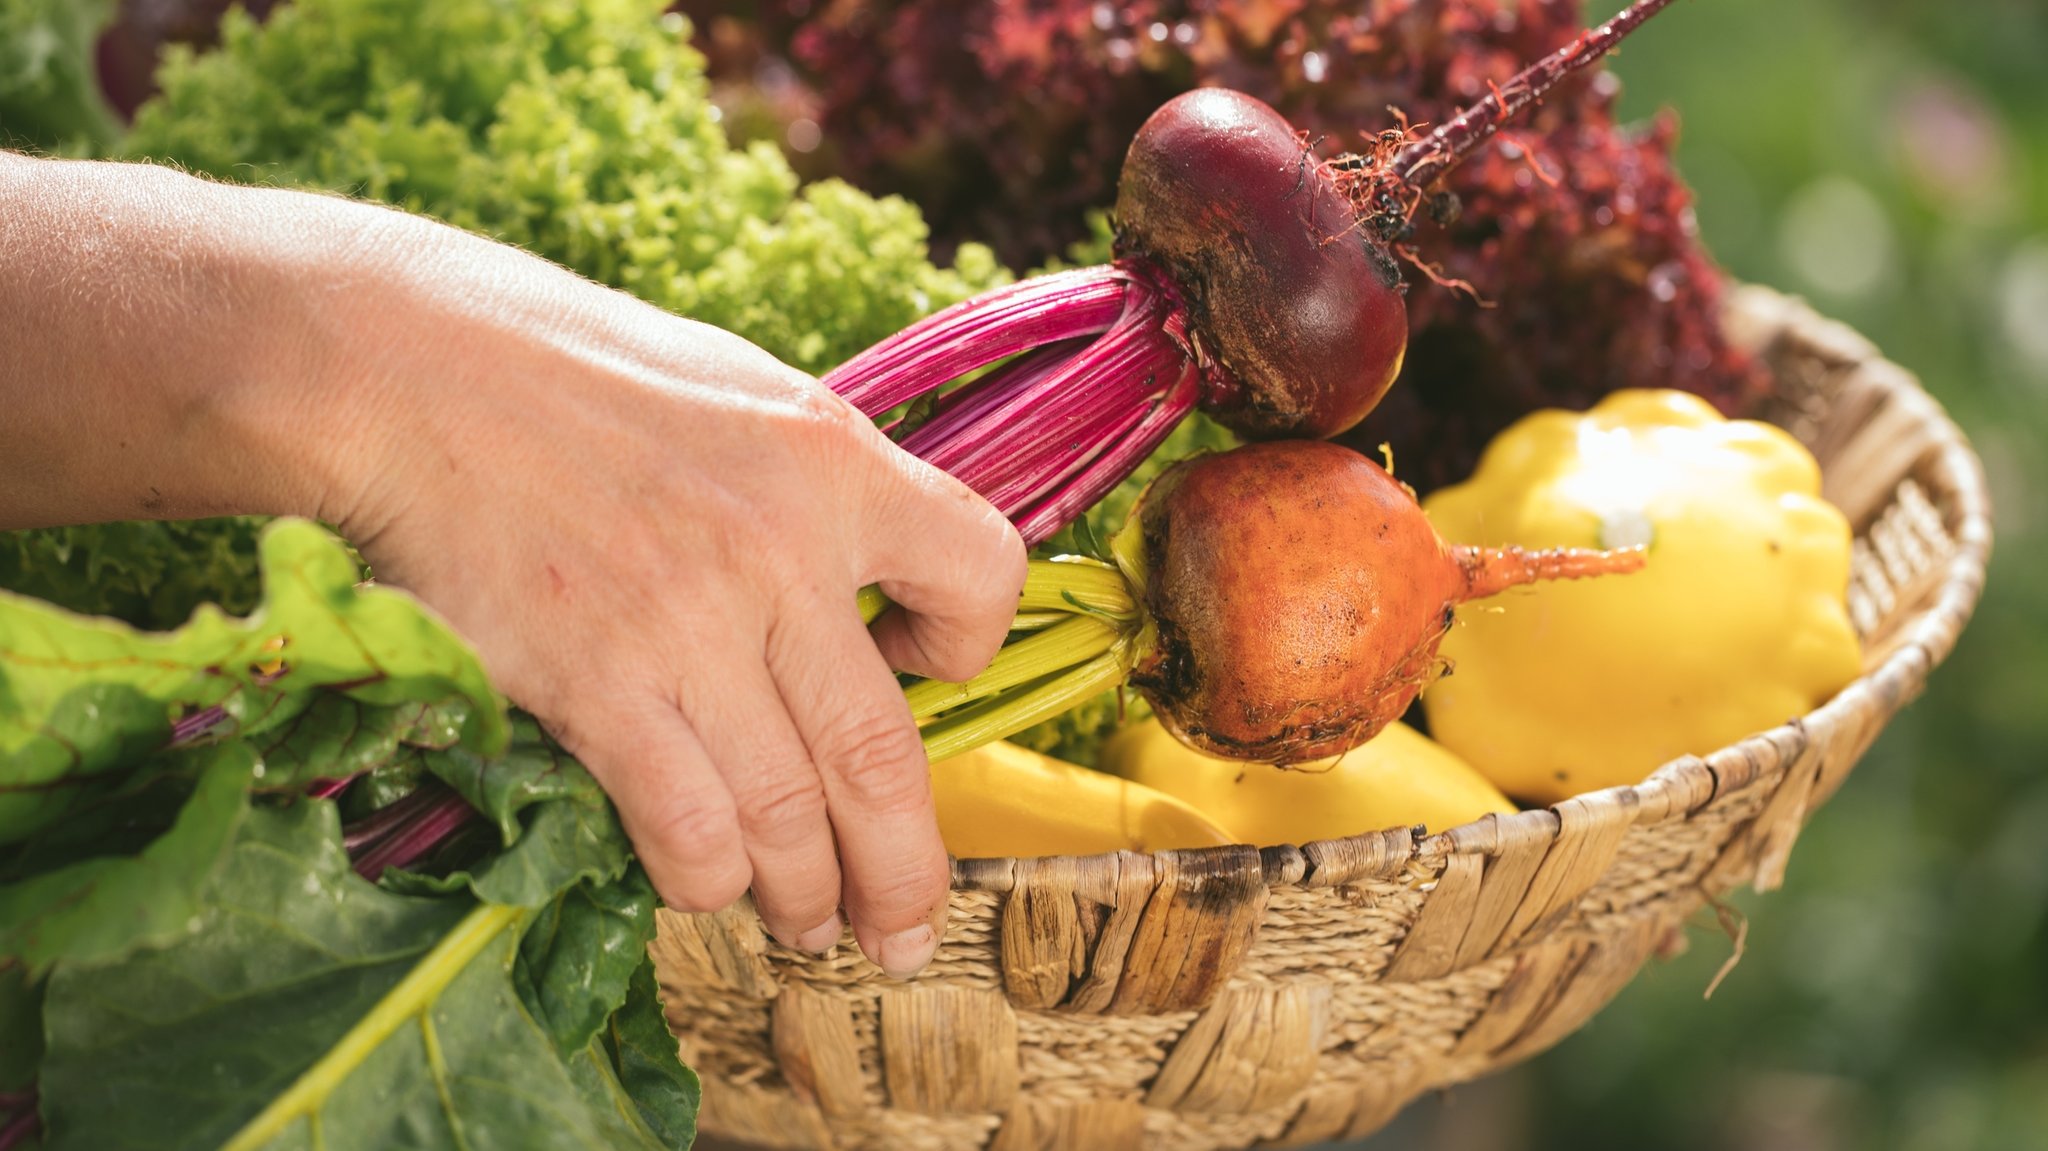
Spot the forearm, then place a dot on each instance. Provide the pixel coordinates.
(162, 344)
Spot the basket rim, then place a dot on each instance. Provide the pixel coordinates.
(1683, 785)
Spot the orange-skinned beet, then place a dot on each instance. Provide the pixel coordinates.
(1300, 596)
(1297, 306)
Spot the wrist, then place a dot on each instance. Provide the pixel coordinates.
(301, 400)
(167, 345)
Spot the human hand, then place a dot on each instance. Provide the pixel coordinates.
(654, 532)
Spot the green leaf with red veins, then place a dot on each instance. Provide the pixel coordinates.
(338, 738)
(579, 955)
(102, 908)
(81, 697)
(532, 769)
(314, 1010)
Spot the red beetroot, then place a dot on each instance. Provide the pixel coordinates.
(1245, 262)
(1005, 121)
(1299, 596)
(1296, 308)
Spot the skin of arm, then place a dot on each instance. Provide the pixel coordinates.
(652, 530)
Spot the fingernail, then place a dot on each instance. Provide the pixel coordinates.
(905, 953)
(822, 938)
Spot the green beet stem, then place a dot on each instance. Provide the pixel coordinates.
(1013, 711)
(1034, 657)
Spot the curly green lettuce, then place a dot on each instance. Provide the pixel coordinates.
(579, 129)
(49, 92)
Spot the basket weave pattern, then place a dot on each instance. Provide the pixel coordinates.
(1238, 997)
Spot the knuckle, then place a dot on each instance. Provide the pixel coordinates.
(784, 810)
(905, 894)
(823, 417)
(880, 760)
(797, 902)
(999, 555)
(704, 844)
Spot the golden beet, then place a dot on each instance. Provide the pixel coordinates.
(1299, 594)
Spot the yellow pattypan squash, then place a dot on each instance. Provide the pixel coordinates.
(1004, 800)
(1397, 778)
(1737, 623)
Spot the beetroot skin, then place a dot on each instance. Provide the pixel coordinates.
(1295, 304)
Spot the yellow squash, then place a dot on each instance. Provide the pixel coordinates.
(1004, 800)
(1737, 623)
(1396, 779)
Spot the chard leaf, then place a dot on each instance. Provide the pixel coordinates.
(313, 1009)
(598, 1084)
(556, 824)
(338, 737)
(647, 1062)
(570, 840)
(580, 953)
(82, 697)
(532, 769)
(100, 908)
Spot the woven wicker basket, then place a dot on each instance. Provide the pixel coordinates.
(1238, 997)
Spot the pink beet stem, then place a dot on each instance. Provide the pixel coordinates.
(1421, 162)
(977, 332)
(20, 1129)
(1010, 445)
(969, 403)
(197, 724)
(1490, 571)
(1106, 471)
(1040, 434)
(329, 788)
(414, 838)
(375, 826)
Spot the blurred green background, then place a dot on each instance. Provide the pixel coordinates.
(1887, 159)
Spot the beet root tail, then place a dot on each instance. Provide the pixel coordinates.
(1490, 571)
(1426, 159)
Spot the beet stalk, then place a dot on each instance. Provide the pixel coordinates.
(405, 831)
(19, 1119)
(1252, 278)
(1281, 602)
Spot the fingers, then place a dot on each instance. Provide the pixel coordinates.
(852, 717)
(675, 807)
(780, 802)
(953, 564)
